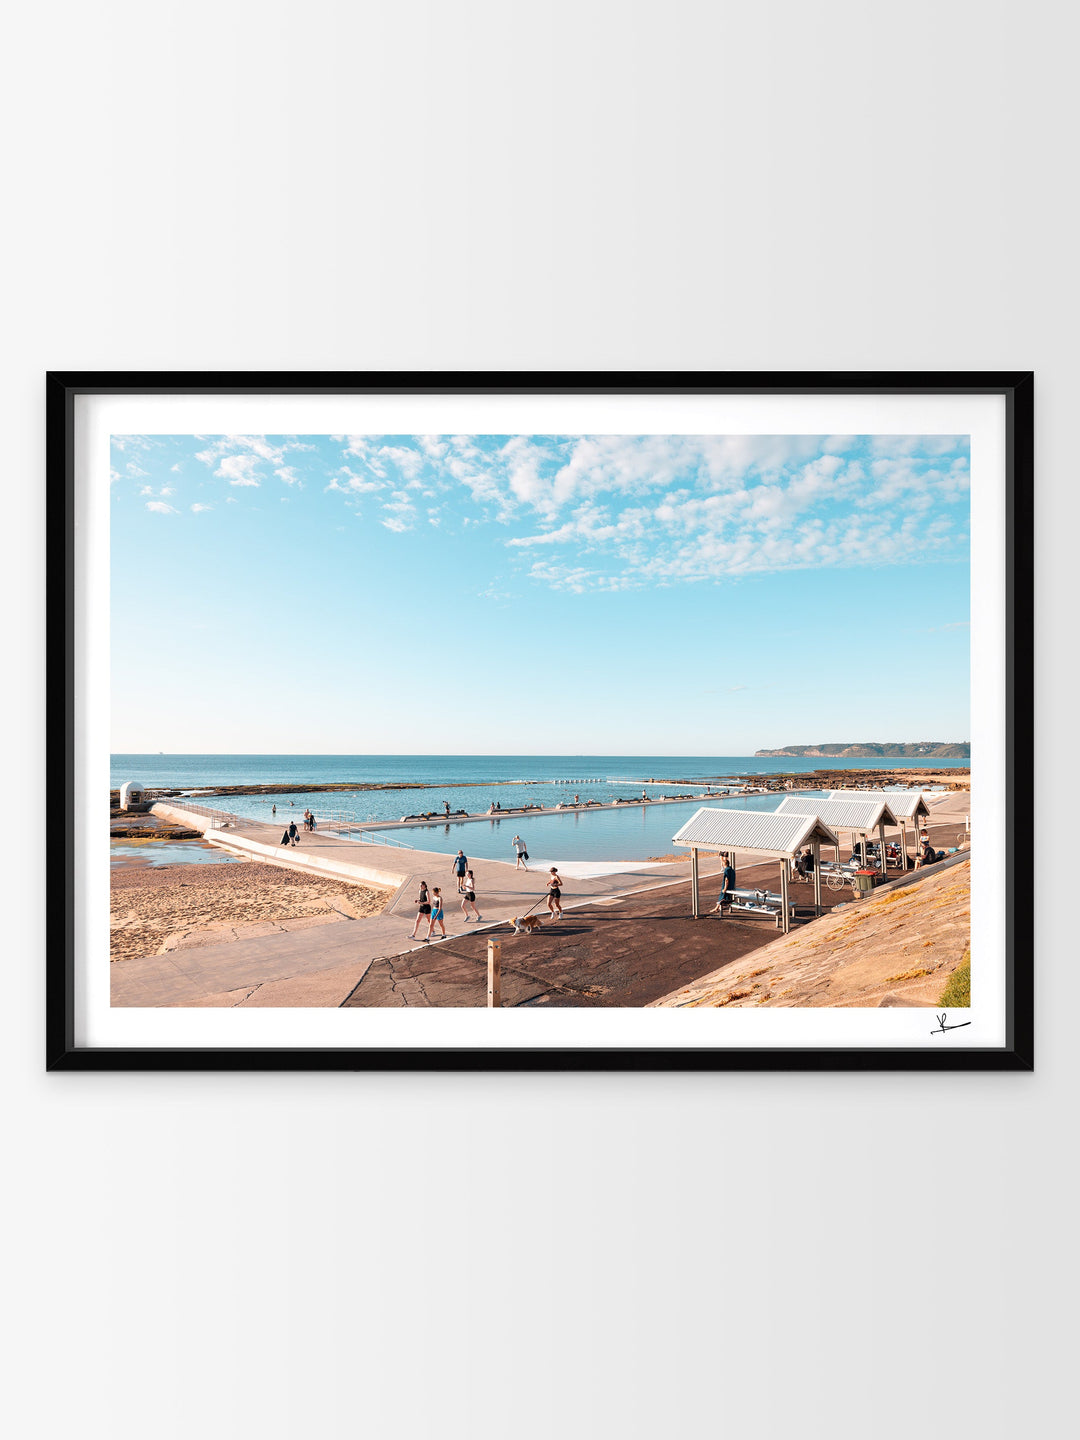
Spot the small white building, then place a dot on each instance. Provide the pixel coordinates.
(131, 793)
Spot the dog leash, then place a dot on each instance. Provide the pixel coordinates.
(536, 902)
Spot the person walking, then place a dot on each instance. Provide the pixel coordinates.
(522, 853)
(423, 909)
(436, 914)
(554, 894)
(307, 819)
(294, 833)
(446, 807)
(459, 868)
(469, 896)
(312, 815)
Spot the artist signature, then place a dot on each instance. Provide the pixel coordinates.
(942, 1027)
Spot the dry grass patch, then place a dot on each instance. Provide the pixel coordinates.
(735, 995)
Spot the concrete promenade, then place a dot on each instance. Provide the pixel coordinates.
(322, 966)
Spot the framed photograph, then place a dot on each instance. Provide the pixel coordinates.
(539, 721)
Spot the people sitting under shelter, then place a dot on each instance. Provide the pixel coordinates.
(927, 854)
(727, 885)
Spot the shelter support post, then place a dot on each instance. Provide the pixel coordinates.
(817, 876)
(694, 881)
(785, 866)
(881, 849)
(494, 975)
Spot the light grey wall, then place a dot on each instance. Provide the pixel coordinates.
(594, 185)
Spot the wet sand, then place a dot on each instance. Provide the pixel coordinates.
(174, 906)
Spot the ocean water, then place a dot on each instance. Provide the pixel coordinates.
(440, 771)
(633, 833)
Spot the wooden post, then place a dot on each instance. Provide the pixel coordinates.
(785, 866)
(494, 975)
(817, 875)
(881, 847)
(694, 880)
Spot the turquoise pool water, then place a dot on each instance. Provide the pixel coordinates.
(636, 832)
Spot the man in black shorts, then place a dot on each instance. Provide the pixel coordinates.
(459, 867)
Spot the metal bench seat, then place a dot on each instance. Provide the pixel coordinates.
(760, 902)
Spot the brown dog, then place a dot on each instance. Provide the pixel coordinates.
(530, 922)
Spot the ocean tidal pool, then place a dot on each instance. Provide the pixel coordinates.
(632, 832)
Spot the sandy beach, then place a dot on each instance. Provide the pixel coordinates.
(179, 906)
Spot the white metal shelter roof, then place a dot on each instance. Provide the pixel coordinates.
(905, 804)
(863, 812)
(781, 836)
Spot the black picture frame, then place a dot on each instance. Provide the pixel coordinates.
(62, 390)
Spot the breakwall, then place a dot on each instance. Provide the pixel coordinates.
(333, 862)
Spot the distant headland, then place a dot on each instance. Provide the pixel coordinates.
(894, 749)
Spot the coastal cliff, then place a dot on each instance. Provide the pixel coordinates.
(872, 749)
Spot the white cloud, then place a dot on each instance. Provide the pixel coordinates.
(355, 484)
(669, 509)
(239, 469)
(608, 512)
(408, 462)
(161, 508)
(134, 442)
(197, 509)
(400, 511)
(239, 458)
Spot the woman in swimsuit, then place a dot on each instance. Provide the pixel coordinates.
(423, 908)
(436, 914)
(555, 894)
(469, 896)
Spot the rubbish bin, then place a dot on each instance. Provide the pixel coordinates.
(864, 881)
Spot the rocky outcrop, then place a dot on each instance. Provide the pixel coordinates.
(880, 749)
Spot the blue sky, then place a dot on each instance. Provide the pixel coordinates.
(537, 594)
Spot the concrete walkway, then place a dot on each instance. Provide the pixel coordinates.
(321, 967)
